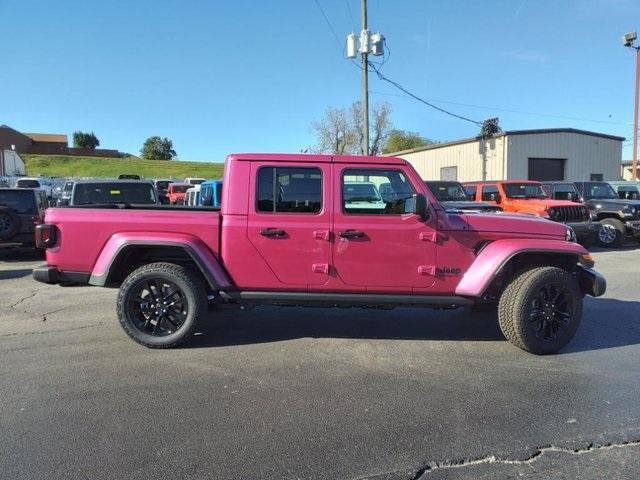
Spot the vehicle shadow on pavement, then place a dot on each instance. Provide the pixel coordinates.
(273, 324)
(18, 273)
(606, 323)
(20, 254)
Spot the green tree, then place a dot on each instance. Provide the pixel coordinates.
(156, 148)
(85, 140)
(399, 140)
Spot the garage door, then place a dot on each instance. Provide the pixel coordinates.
(546, 169)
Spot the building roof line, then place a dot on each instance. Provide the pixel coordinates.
(507, 133)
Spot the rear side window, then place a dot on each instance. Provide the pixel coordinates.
(376, 192)
(490, 193)
(471, 191)
(21, 201)
(289, 190)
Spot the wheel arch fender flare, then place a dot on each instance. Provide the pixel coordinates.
(498, 254)
(120, 243)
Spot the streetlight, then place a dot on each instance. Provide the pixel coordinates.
(628, 40)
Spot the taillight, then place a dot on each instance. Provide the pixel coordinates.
(46, 235)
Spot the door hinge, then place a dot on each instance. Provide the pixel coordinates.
(320, 268)
(427, 270)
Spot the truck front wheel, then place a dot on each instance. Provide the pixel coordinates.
(611, 233)
(540, 310)
(159, 304)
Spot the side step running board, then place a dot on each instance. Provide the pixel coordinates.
(302, 298)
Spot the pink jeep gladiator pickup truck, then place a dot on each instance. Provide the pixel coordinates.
(293, 230)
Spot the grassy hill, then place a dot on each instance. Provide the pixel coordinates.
(67, 166)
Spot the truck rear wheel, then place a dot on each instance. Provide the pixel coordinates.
(540, 310)
(159, 304)
(611, 233)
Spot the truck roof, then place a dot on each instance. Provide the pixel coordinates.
(315, 158)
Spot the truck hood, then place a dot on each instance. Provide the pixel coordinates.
(614, 203)
(467, 205)
(508, 223)
(539, 205)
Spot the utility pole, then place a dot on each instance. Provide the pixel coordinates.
(370, 43)
(365, 78)
(628, 41)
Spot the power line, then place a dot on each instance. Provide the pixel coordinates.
(422, 100)
(326, 19)
(353, 20)
(508, 110)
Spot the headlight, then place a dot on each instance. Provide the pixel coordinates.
(570, 235)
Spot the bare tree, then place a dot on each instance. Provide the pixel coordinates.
(340, 131)
(334, 133)
(379, 126)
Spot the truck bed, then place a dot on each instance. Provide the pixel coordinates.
(89, 228)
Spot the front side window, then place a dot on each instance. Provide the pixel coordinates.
(448, 191)
(565, 191)
(490, 193)
(289, 190)
(376, 192)
(471, 191)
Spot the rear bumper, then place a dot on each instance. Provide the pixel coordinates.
(591, 282)
(52, 275)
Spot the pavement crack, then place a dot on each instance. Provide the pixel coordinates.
(41, 332)
(22, 299)
(536, 454)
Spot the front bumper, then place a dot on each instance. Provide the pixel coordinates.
(591, 282)
(633, 228)
(584, 229)
(52, 275)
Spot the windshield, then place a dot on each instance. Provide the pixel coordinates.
(162, 184)
(28, 184)
(95, 193)
(180, 188)
(524, 190)
(448, 191)
(21, 202)
(361, 192)
(598, 190)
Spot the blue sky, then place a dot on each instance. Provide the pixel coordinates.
(245, 75)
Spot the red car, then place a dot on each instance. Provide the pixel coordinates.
(177, 192)
(292, 232)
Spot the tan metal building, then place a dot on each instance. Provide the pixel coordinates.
(549, 154)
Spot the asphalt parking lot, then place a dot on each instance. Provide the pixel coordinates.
(288, 393)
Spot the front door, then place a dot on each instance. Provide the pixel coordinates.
(378, 246)
(289, 221)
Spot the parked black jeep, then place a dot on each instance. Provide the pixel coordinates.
(618, 218)
(452, 196)
(20, 211)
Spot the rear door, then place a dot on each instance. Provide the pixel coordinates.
(378, 246)
(289, 220)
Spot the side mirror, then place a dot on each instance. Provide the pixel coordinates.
(420, 206)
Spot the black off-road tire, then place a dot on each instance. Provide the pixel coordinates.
(9, 223)
(191, 287)
(515, 309)
(620, 231)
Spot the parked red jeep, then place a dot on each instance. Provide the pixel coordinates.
(526, 196)
(287, 233)
(177, 192)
